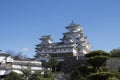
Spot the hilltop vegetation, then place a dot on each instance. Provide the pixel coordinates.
(95, 69)
(27, 75)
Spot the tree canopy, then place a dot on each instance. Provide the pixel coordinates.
(13, 76)
(97, 53)
(115, 53)
(97, 58)
(53, 62)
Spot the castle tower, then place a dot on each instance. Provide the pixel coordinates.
(46, 40)
(42, 49)
(75, 33)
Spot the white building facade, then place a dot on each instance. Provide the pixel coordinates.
(8, 64)
(73, 42)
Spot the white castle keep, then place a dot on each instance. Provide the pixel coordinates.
(73, 42)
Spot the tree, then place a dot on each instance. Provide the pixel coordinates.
(97, 53)
(104, 69)
(26, 74)
(13, 76)
(115, 53)
(47, 74)
(12, 53)
(36, 76)
(76, 75)
(17, 56)
(45, 64)
(53, 62)
(81, 73)
(100, 76)
(97, 61)
(97, 58)
(112, 78)
(85, 70)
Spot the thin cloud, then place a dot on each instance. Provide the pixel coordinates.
(25, 49)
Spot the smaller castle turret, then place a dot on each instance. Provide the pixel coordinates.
(46, 40)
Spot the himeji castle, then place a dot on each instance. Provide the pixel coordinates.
(73, 42)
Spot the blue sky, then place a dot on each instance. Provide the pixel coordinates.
(23, 22)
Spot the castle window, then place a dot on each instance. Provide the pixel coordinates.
(60, 49)
(45, 50)
(77, 38)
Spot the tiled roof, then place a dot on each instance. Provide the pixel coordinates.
(4, 54)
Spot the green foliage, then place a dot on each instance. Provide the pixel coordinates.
(13, 76)
(115, 53)
(117, 74)
(100, 76)
(38, 73)
(36, 76)
(76, 75)
(85, 70)
(97, 58)
(104, 69)
(91, 69)
(45, 64)
(97, 61)
(96, 53)
(30, 76)
(81, 73)
(112, 78)
(53, 63)
(26, 73)
(48, 74)
(98, 71)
